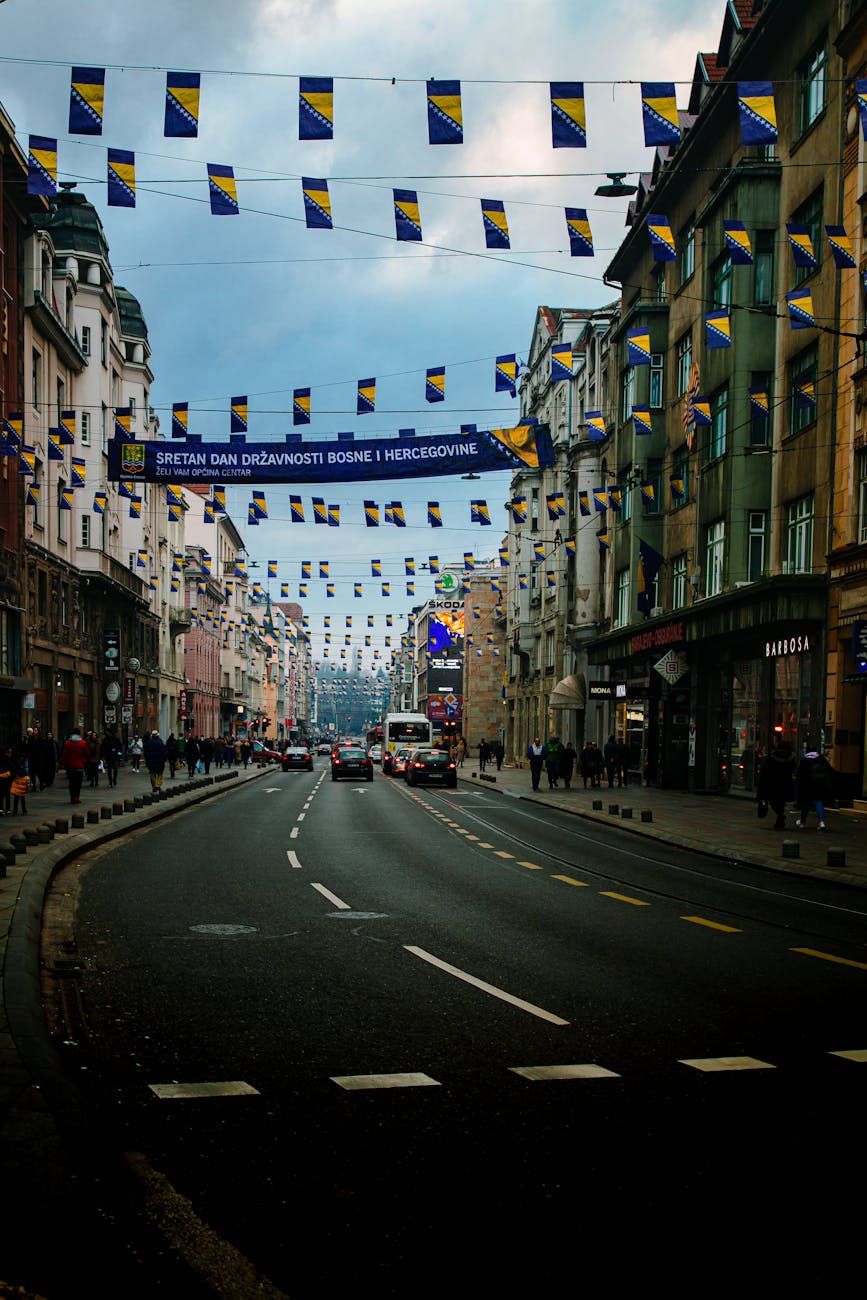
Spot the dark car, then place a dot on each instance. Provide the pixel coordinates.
(351, 762)
(431, 766)
(297, 756)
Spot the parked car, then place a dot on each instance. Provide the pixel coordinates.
(297, 756)
(261, 751)
(351, 761)
(431, 767)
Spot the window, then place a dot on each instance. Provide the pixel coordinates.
(722, 282)
(687, 251)
(715, 541)
(659, 282)
(85, 340)
(757, 524)
(622, 597)
(653, 477)
(36, 378)
(627, 393)
(132, 411)
(763, 267)
(760, 412)
(656, 380)
(103, 342)
(862, 497)
(809, 214)
(85, 529)
(534, 509)
(537, 658)
(719, 414)
(84, 428)
(103, 432)
(549, 650)
(813, 74)
(680, 476)
(625, 486)
(803, 393)
(678, 581)
(684, 362)
(799, 549)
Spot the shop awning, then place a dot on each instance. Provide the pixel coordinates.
(570, 693)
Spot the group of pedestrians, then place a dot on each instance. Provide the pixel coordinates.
(809, 784)
(557, 760)
(490, 751)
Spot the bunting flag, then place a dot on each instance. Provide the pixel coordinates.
(141, 559)
(600, 498)
(121, 179)
(302, 591)
(518, 509)
(182, 104)
(678, 487)
(641, 419)
(320, 514)
(124, 489)
(409, 566)
(434, 515)
(738, 243)
(238, 415)
(86, 101)
(503, 555)
(718, 329)
(805, 393)
(122, 421)
(174, 494)
(758, 113)
(252, 517)
(284, 591)
(568, 115)
(861, 95)
(506, 374)
(584, 503)
(42, 166)
(550, 578)
(323, 568)
(296, 510)
(55, 449)
(615, 498)
(386, 590)
(648, 493)
(334, 516)
(659, 111)
(173, 511)
(206, 563)
(218, 492)
(800, 305)
(316, 108)
(638, 346)
(407, 221)
(604, 539)
(479, 512)
(305, 568)
(595, 422)
(272, 568)
(366, 398)
(371, 514)
(33, 491)
(556, 503)
(495, 224)
(180, 419)
(317, 203)
(435, 384)
(759, 401)
(841, 247)
(650, 561)
(223, 191)
(301, 406)
(445, 121)
(27, 460)
(801, 244)
(358, 590)
(154, 582)
(68, 421)
(523, 582)
(571, 545)
(240, 569)
(579, 232)
(100, 501)
(701, 411)
(389, 620)
(259, 505)
(538, 551)
(661, 238)
(410, 588)
(79, 472)
(561, 362)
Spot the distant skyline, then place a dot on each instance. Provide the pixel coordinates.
(256, 304)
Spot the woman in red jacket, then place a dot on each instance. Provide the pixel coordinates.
(73, 758)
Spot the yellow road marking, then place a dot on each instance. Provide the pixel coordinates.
(857, 1054)
(624, 898)
(570, 880)
(473, 837)
(829, 956)
(711, 925)
(485, 846)
(531, 866)
(501, 853)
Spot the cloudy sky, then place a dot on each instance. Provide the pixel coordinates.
(256, 304)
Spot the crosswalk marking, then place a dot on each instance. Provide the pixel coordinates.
(358, 1082)
(542, 1073)
(718, 1064)
(711, 925)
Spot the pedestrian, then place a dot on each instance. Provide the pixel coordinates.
(31, 753)
(135, 752)
(220, 751)
(622, 763)
(814, 781)
(92, 764)
(462, 751)
(568, 758)
(553, 749)
(109, 752)
(588, 764)
(192, 756)
(499, 753)
(536, 755)
(774, 786)
(6, 763)
(172, 754)
(20, 787)
(609, 754)
(207, 754)
(47, 761)
(484, 754)
(236, 752)
(155, 759)
(246, 751)
(74, 757)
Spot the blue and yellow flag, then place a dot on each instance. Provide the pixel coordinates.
(600, 498)
(334, 516)
(316, 108)
(805, 393)
(33, 491)
(445, 120)
(329, 590)
(435, 384)
(223, 191)
(580, 234)
(86, 101)
(67, 428)
(638, 346)
(648, 493)
(366, 398)
(571, 545)
(386, 591)
(659, 111)
(677, 483)
(568, 115)
(584, 503)
(759, 400)
(252, 517)
(701, 410)
(371, 515)
(407, 221)
(538, 551)
(100, 501)
(180, 419)
(758, 112)
(323, 568)
(182, 104)
(800, 305)
(641, 419)
(433, 563)
(125, 489)
(302, 591)
(550, 578)
(317, 203)
(42, 166)
(122, 421)
(556, 503)
(738, 243)
(841, 247)
(503, 555)
(506, 374)
(801, 244)
(67, 496)
(240, 569)
(301, 406)
(142, 559)
(661, 238)
(561, 362)
(615, 498)
(495, 224)
(518, 509)
(595, 422)
(305, 568)
(174, 494)
(469, 561)
(650, 561)
(209, 514)
(259, 506)
(523, 582)
(397, 516)
(410, 588)
(121, 179)
(861, 95)
(284, 590)
(409, 566)
(479, 513)
(358, 590)
(718, 329)
(604, 539)
(79, 472)
(320, 514)
(434, 514)
(55, 447)
(272, 568)
(238, 415)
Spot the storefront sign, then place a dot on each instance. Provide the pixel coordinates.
(111, 650)
(658, 638)
(447, 707)
(110, 715)
(796, 644)
(182, 703)
(606, 690)
(672, 667)
(126, 714)
(129, 690)
(859, 641)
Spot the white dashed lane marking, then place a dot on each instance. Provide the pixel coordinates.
(359, 1082)
(332, 898)
(181, 1091)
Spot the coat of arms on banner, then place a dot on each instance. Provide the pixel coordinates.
(132, 457)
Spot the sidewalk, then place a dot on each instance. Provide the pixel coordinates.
(724, 826)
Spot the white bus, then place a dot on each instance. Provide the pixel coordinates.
(403, 729)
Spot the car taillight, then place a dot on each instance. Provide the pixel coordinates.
(337, 762)
(452, 765)
(418, 764)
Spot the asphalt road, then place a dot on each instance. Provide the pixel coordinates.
(470, 1044)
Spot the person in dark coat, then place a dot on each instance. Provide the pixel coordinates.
(815, 784)
(553, 750)
(499, 753)
(484, 754)
(588, 764)
(109, 752)
(610, 754)
(775, 783)
(536, 755)
(193, 754)
(48, 755)
(172, 754)
(155, 759)
(567, 763)
(207, 753)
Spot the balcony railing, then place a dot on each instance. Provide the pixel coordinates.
(93, 561)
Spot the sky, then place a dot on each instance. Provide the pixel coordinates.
(256, 304)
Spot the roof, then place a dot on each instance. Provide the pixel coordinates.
(75, 227)
(132, 321)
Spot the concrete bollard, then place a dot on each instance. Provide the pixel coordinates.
(129, 805)
(31, 835)
(646, 815)
(45, 833)
(117, 809)
(105, 813)
(791, 848)
(61, 825)
(627, 813)
(138, 801)
(613, 809)
(836, 858)
(77, 821)
(597, 805)
(92, 816)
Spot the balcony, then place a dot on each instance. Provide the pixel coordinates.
(180, 619)
(97, 563)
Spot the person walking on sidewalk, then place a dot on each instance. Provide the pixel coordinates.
(567, 763)
(20, 788)
(774, 786)
(536, 755)
(6, 764)
(92, 764)
(109, 752)
(484, 754)
(609, 753)
(814, 781)
(155, 759)
(135, 752)
(193, 753)
(47, 761)
(553, 750)
(73, 757)
(207, 754)
(172, 754)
